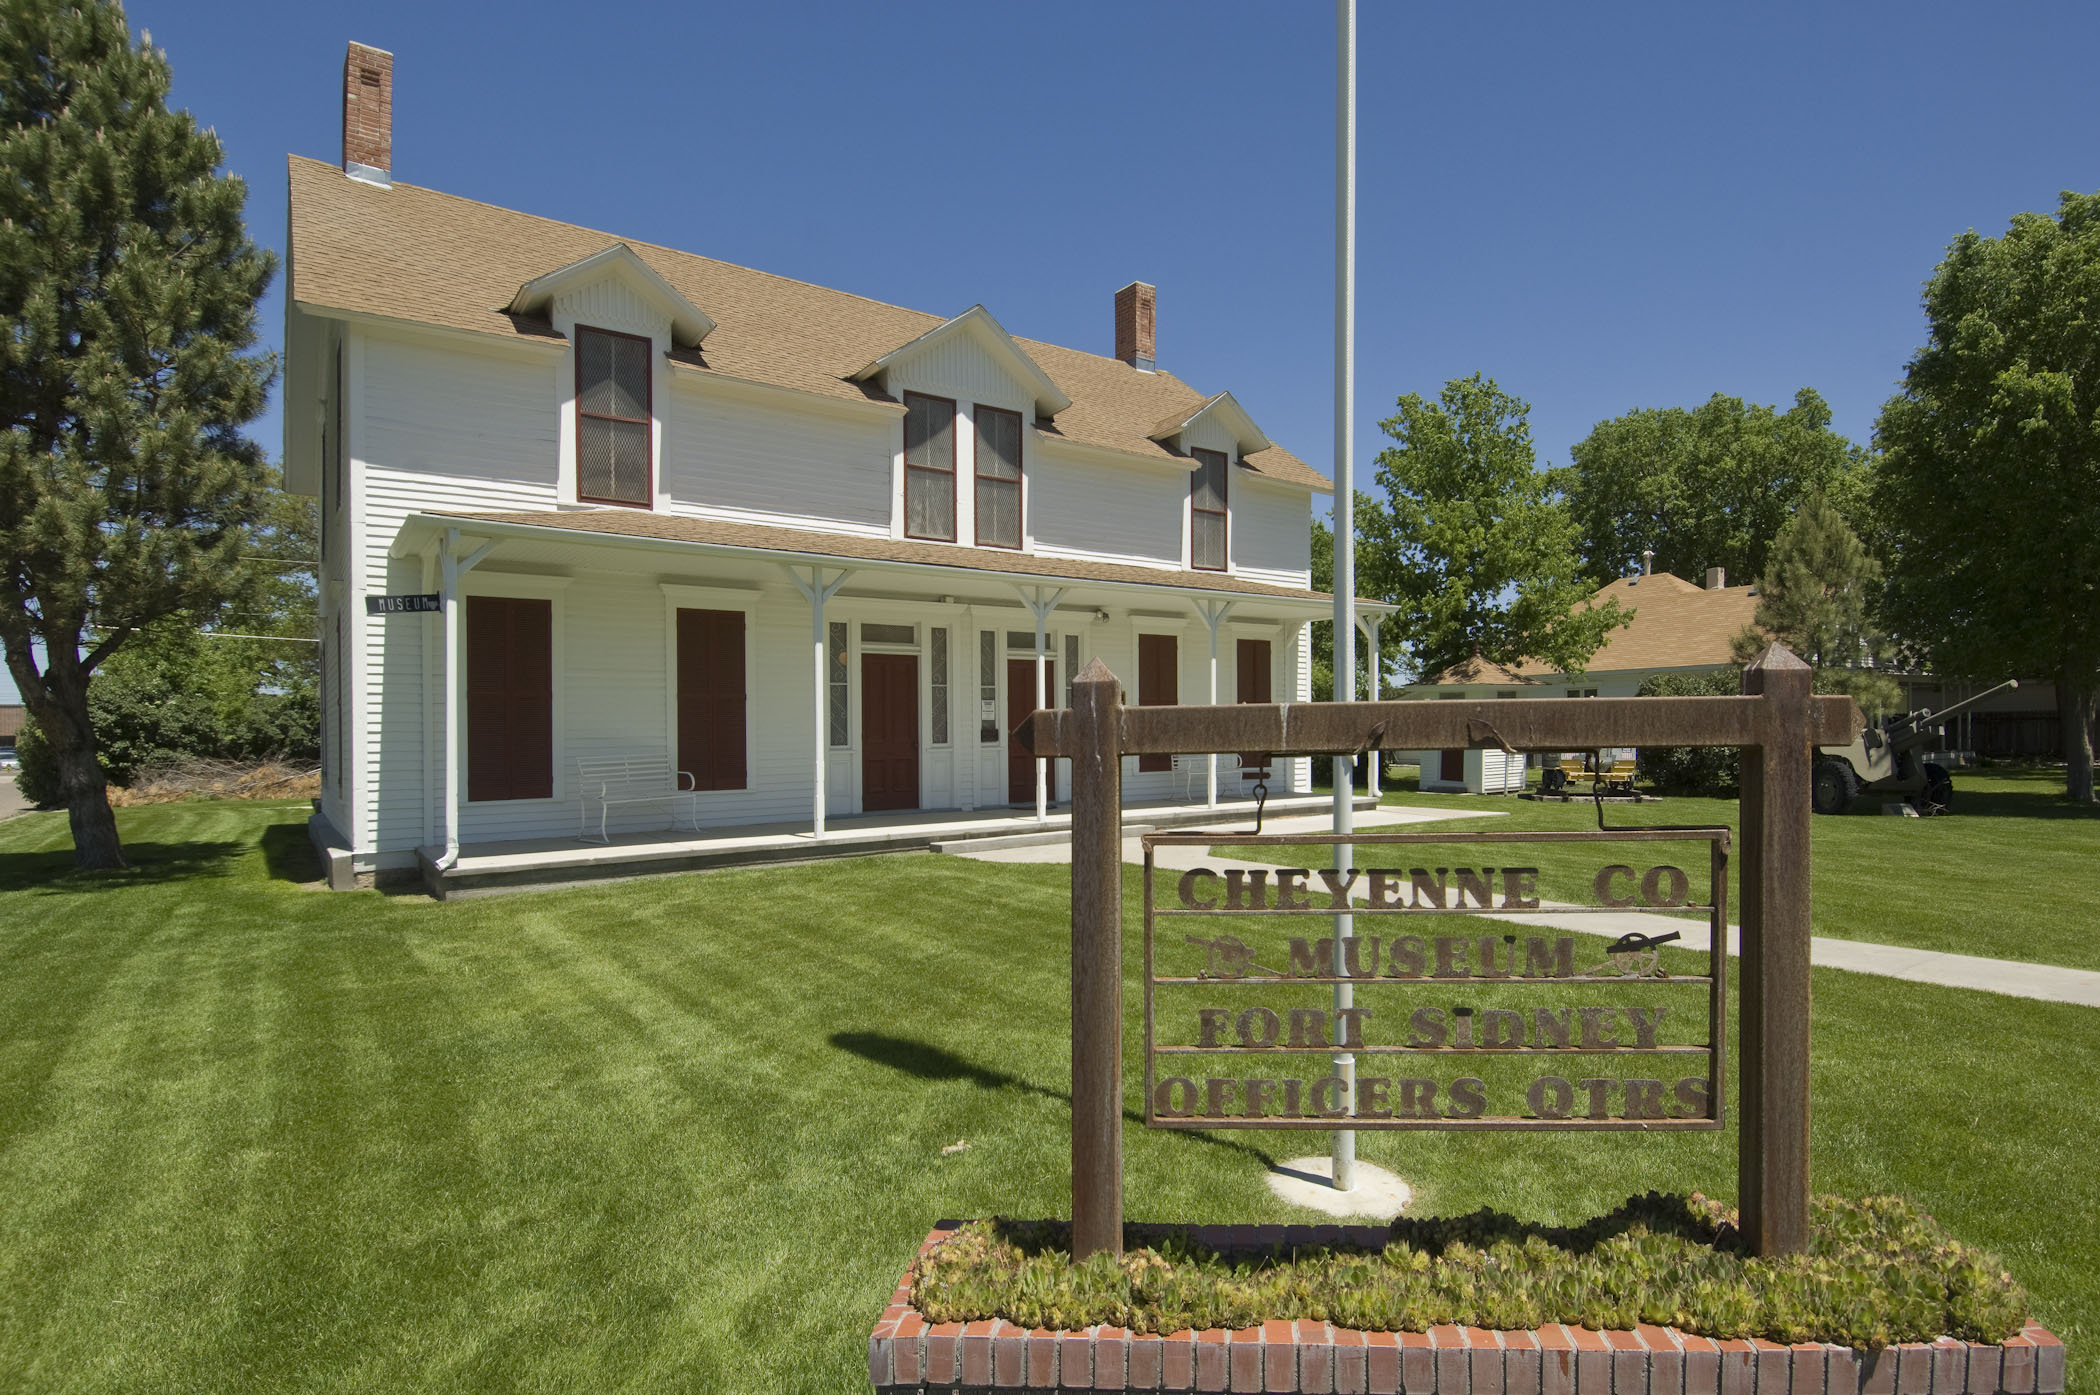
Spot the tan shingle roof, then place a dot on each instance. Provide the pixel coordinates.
(635, 523)
(1675, 625)
(418, 255)
(1476, 670)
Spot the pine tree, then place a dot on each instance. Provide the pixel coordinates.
(1816, 597)
(128, 285)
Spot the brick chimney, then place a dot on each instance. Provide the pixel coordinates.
(1716, 578)
(368, 115)
(1135, 319)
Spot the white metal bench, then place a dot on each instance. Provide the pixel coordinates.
(644, 777)
(1195, 770)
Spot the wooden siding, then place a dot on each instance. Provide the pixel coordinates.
(431, 425)
(1133, 513)
(756, 463)
(1271, 532)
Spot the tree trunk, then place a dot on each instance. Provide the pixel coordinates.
(95, 843)
(57, 698)
(2074, 706)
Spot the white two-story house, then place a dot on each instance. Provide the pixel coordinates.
(818, 554)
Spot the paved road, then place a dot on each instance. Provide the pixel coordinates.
(2012, 978)
(11, 801)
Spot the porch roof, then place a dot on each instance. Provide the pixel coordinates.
(806, 547)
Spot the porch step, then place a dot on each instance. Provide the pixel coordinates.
(993, 841)
(553, 862)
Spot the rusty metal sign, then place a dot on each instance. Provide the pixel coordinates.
(1473, 1012)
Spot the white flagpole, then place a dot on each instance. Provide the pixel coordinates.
(1344, 1171)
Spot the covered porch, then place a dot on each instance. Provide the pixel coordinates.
(854, 698)
(484, 868)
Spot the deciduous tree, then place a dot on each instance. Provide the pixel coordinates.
(128, 285)
(1471, 540)
(1709, 487)
(1390, 656)
(1990, 485)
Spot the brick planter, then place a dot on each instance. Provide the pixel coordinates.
(907, 1353)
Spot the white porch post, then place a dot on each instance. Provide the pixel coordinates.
(452, 568)
(1369, 626)
(1041, 608)
(1214, 614)
(817, 591)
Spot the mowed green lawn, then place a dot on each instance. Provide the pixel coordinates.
(682, 1134)
(2014, 873)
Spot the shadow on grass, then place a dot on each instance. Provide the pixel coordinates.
(929, 1062)
(2042, 795)
(151, 863)
(288, 854)
(1693, 1220)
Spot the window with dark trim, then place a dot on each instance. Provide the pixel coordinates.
(613, 404)
(937, 668)
(839, 687)
(1207, 518)
(998, 477)
(929, 467)
(987, 686)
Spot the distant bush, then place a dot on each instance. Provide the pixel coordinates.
(37, 780)
(170, 696)
(1708, 770)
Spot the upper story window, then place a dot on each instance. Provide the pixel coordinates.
(613, 403)
(929, 467)
(998, 478)
(1207, 518)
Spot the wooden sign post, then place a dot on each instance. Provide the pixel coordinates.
(1777, 722)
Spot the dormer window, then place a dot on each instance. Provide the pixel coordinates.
(1207, 517)
(613, 428)
(998, 477)
(929, 467)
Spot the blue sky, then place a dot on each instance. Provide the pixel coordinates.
(1602, 207)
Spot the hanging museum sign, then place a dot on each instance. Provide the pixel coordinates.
(1462, 1011)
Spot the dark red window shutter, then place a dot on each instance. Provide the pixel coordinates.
(1159, 684)
(711, 697)
(1254, 687)
(510, 698)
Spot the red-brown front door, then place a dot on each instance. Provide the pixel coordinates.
(1020, 701)
(1454, 768)
(889, 731)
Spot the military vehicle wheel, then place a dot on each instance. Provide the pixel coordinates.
(1939, 790)
(1833, 787)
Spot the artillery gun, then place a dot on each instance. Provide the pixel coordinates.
(1888, 760)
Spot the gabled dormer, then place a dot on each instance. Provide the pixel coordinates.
(968, 391)
(1213, 433)
(620, 318)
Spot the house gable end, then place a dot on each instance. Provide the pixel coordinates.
(1221, 412)
(955, 354)
(613, 289)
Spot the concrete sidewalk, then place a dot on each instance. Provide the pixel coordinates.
(2005, 976)
(11, 801)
